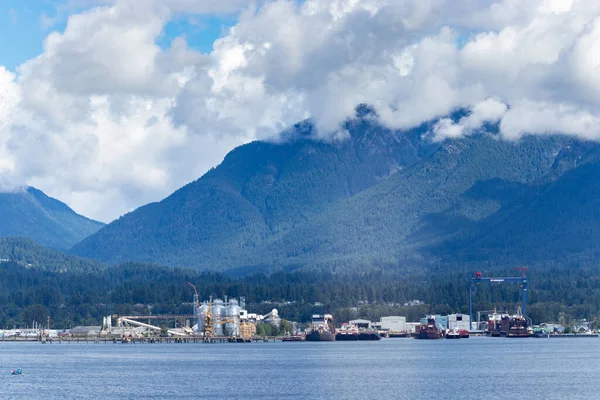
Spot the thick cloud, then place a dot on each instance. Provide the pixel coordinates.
(106, 120)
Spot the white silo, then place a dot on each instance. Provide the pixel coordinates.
(203, 310)
(233, 314)
(218, 311)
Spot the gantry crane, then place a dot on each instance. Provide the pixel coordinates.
(477, 278)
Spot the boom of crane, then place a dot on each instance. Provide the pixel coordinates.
(206, 318)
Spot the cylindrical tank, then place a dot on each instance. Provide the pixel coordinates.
(218, 312)
(233, 313)
(203, 309)
(233, 309)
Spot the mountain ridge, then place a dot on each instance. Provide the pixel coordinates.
(31, 213)
(380, 197)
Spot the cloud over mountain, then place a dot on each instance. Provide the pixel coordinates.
(106, 119)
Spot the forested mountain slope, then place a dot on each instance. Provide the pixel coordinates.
(260, 191)
(396, 199)
(32, 214)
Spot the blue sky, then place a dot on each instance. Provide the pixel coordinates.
(21, 30)
(25, 24)
(200, 32)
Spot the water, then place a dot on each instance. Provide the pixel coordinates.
(472, 368)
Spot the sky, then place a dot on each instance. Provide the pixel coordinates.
(108, 105)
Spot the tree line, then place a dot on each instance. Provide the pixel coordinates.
(77, 298)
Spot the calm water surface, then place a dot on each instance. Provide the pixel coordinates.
(474, 368)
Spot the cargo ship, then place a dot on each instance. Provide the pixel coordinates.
(506, 325)
(429, 330)
(322, 329)
(517, 326)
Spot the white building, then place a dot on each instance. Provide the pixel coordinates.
(411, 327)
(459, 321)
(393, 324)
(361, 323)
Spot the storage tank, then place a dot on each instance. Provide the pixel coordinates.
(218, 311)
(203, 309)
(233, 313)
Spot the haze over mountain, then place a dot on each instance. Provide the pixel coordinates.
(29, 213)
(378, 197)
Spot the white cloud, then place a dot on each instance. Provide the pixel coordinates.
(490, 110)
(528, 117)
(9, 99)
(106, 120)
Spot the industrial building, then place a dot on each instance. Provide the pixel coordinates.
(360, 323)
(392, 324)
(229, 318)
(459, 322)
(411, 327)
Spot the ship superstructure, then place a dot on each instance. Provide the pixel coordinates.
(322, 329)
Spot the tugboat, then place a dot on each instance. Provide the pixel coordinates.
(322, 329)
(429, 331)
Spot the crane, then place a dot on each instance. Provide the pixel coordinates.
(478, 277)
(204, 319)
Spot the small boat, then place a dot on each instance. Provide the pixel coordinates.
(452, 334)
(17, 371)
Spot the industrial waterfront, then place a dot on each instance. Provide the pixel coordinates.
(228, 320)
(400, 369)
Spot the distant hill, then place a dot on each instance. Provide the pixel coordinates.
(32, 214)
(27, 253)
(379, 198)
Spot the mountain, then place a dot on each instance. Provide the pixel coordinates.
(32, 214)
(260, 191)
(377, 198)
(555, 221)
(407, 218)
